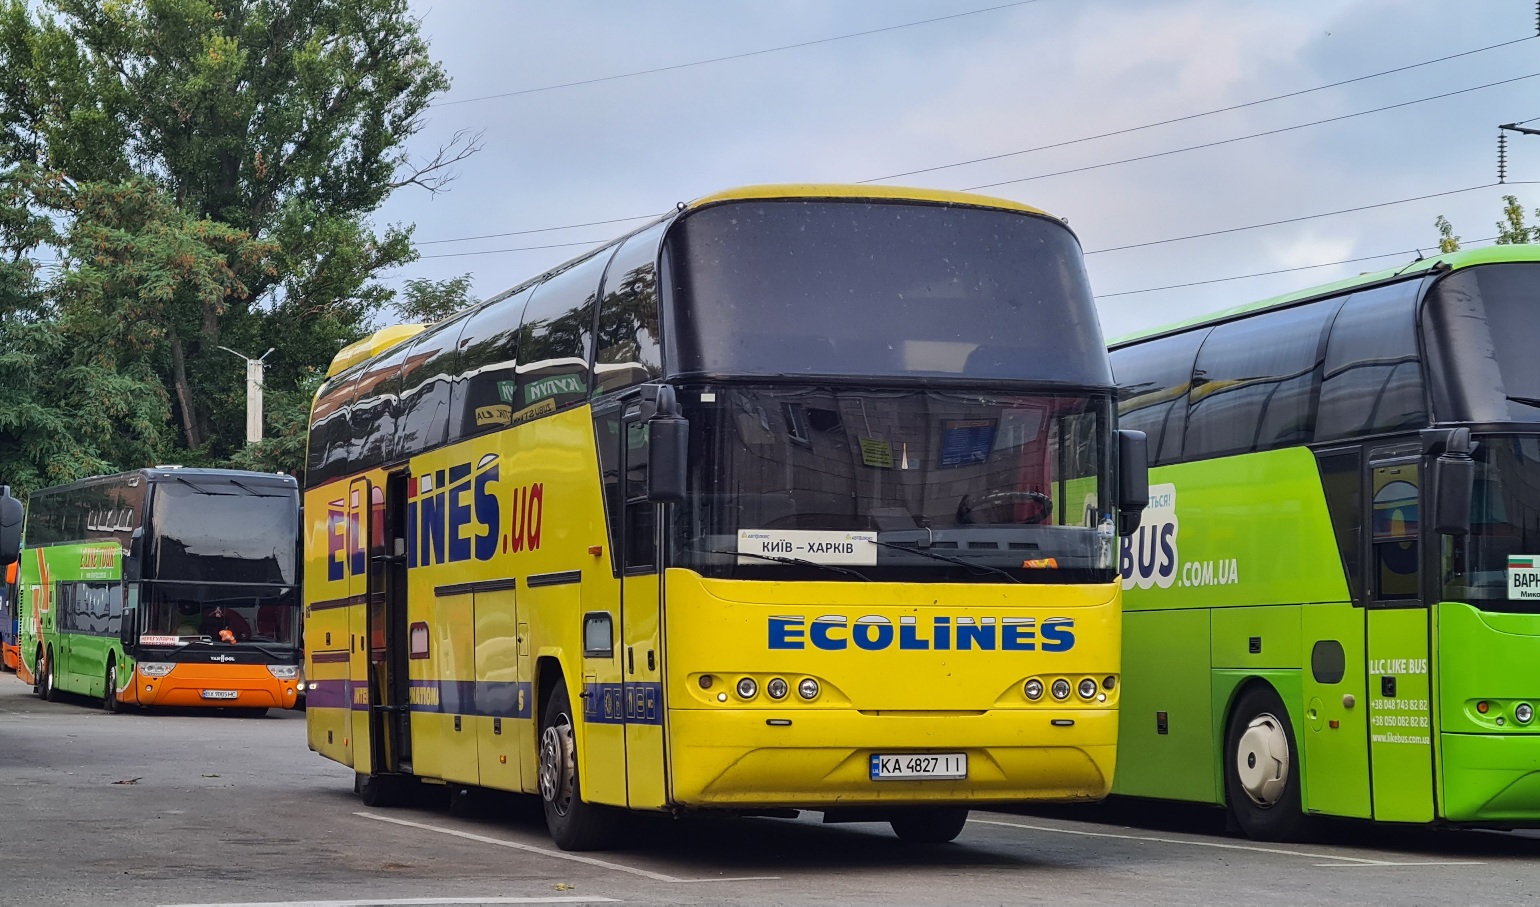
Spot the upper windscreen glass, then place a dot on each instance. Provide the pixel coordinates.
(1479, 328)
(209, 530)
(874, 288)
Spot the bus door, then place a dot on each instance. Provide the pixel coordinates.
(1400, 714)
(359, 693)
(641, 623)
(384, 636)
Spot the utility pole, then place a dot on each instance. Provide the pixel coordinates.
(255, 368)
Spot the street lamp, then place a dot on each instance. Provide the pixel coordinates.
(254, 370)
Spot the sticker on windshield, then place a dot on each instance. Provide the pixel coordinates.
(1523, 577)
(820, 547)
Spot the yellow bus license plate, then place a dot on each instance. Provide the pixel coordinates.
(919, 766)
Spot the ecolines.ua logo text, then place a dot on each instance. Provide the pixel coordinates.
(451, 515)
(833, 632)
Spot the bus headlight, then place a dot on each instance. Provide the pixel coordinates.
(808, 688)
(1523, 713)
(776, 688)
(155, 668)
(1060, 689)
(283, 672)
(1087, 688)
(747, 688)
(1034, 689)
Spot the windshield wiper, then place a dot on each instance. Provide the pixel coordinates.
(200, 489)
(800, 562)
(971, 565)
(1528, 401)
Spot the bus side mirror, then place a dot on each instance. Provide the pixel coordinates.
(1133, 479)
(1454, 481)
(667, 452)
(10, 528)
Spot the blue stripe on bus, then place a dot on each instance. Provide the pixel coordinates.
(623, 703)
(485, 698)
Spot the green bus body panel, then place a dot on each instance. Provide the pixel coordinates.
(1400, 736)
(1171, 677)
(1335, 774)
(1491, 771)
(80, 658)
(1272, 631)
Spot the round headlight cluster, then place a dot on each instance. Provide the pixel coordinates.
(776, 688)
(747, 688)
(1060, 689)
(1034, 689)
(1523, 713)
(808, 688)
(1087, 688)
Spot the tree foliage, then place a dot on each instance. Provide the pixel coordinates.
(204, 172)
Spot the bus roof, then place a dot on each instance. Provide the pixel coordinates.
(856, 191)
(1452, 261)
(373, 345)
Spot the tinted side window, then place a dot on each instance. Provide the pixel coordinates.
(1256, 382)
(1373, 380)
(628, 338)
(329, 425)
(423, 420)
(557, 336)
(373, 415)
(485, 393)
(1154, 380)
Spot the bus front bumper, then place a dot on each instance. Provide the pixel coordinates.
(823, 758)
(191, 685)
(1491, 779)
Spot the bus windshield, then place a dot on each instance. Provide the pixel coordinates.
(1480, 330)
(876, 289)
(222, 564)
(898, 486)
(1505, 522)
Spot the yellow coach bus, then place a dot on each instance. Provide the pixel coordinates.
(800, 497)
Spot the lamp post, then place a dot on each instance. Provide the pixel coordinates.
(254, 371)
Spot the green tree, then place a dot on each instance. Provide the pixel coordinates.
(1511, 230)
(1447, 241)
(262, 132)
(427, 301)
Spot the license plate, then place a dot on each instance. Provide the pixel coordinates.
(220, 694)
(921, 766)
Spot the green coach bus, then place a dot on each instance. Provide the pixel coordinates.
(164, 587)
(1332, 603)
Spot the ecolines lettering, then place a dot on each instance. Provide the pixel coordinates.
(874, 633)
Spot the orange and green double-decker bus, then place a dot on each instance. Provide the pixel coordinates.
(164, 587)
(1332, 605)
(800, 497)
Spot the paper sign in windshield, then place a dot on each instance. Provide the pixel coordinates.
(818, 546)
(1523, 576)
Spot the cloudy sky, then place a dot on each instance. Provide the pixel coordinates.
(993, 79)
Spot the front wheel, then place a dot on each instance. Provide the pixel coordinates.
(574, 825)
(929, 824)
(1262, 768)
(382, 791)
(110, 691)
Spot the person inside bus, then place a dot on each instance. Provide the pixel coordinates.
(190, 622)
(225, 624)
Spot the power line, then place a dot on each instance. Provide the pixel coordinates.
(1254, 135)
(1324, 264)
(1295, 220)
(592, 223)
(1194, 116)
(1145, 157)
(751, 53)
(560, 245)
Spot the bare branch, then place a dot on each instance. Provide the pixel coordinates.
(437, 172)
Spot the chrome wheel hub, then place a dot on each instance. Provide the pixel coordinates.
(557, 765)
(1262, 760)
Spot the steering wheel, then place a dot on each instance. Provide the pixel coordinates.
(966, 506)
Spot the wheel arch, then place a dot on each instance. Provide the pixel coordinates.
(1229, 687)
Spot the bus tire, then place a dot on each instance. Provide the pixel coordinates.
(1262, 768)
(110, 691)
(50, 681)
(382, 791)
(929, 824)
(573, 824)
